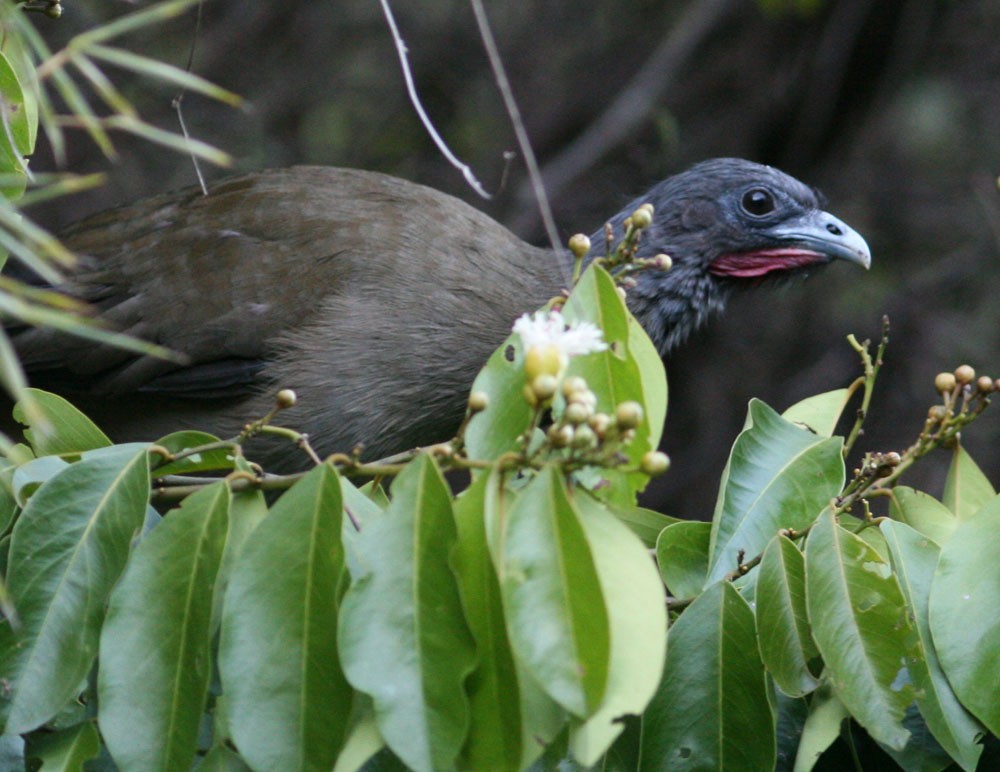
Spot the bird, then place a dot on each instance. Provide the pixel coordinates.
(377, 300)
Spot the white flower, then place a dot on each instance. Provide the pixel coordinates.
(549, 342)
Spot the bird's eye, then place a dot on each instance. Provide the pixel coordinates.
(758, 202)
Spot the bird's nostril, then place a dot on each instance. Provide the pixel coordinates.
(835, 229)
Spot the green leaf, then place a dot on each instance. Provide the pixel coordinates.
(58, 428)
(822, 727)
(711, 710)
(965, 613)
(637, 620)
(778, 476)
(923, 512)
(653, 378)
(363, 740)
(819, 413)
(278, 658)
(786, 645)
(495, 431)
(511, 717)
(556, 614)
(67, 550)
(65, 749)
(155, 646)
(206, 461)
(966, 488)
(645, 523)
(403, 638)
(30, 475)
(914, 558)
(682, 554)
(614, 376)
(861, 628)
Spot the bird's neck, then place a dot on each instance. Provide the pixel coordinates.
(670, 306)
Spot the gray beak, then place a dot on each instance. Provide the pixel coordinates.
(822, 232)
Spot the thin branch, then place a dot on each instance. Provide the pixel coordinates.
(178, 101)
(503, 83)
(636, 100)
(411, 89)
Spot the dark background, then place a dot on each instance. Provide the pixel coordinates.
(892, 107)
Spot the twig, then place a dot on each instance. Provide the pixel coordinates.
(503, 83)
(415, 99)
(178, 100)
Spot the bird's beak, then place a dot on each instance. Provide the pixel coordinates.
(822, 232)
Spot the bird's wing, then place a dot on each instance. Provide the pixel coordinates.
(214, 278)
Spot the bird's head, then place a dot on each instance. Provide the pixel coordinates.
(728, 223)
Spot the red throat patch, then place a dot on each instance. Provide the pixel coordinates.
(748, 265)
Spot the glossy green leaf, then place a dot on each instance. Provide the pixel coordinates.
(645, 523)
(711, 710)
(556, 613)
(29, 476)
(923, 512)
(819, 413)
(613, 375)
(653, 378)
(403, 638)
(965, 613)
(821, 729)
(915, 558)
(637, 620)
(966, 488)
(206, 461)
(65, 749)
(786, 645)
(778, 476)
(288, 701)
(862, 629)
(67, 550)
(155, 645)
(682, 555)
(511, 717)
(495, 431)
(58, 428)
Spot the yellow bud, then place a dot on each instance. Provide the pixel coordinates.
(964, 374)
(286, 398)
(544, 386)
(479, 401)
(642, 217)
(579, 245)
(944, 382)
(628, 415)
(546, 359)
(654, 463)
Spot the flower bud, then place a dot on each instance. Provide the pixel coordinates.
(985, 384)
(478, 401)
(944, 382)
(599, 422)
(584, 438)
(576, 413)
(286, 398)
(544, 359)
(642, 217)
(663, 262)
(964, 374)
(937, 413)
(544, 386)
(560, 436)
(654, 463)
(628, 415)
(579, 245)
(572, 385)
